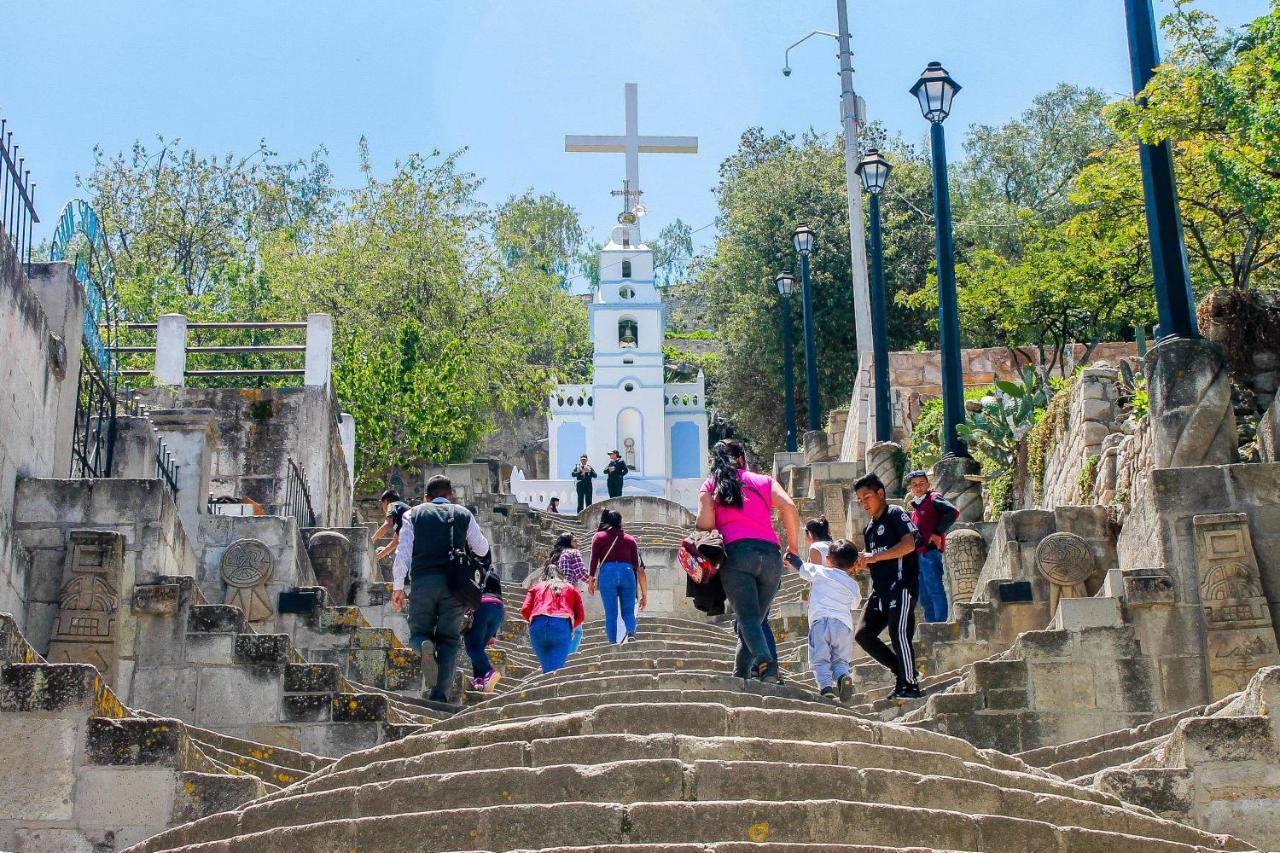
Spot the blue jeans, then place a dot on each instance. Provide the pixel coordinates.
(617, 583)
(550, 636)
(933, 593)
(742, 661)
(484, 627)
(751, 574)
(830, 650)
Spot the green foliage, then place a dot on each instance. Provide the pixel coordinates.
(1043, 433)
(999, 494)
(1084, 482)
(926, 437)
(1004, 419)
(446, 313)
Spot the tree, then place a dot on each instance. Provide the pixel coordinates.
(541, 231)
(440, 329)
(1218, 104)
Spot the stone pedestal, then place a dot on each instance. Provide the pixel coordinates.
(1192, 421)
(950, 480)
(189, 434)
(815, 447)
(882, 460)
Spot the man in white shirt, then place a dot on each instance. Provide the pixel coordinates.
(427, 535)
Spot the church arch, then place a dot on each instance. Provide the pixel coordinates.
(684, 450)
(571, 443)
(631, 435)
(628, 333)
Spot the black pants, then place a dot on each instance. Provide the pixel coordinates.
(584, 497)
(614, 487)
(894, 610)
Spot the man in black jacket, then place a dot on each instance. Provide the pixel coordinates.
(427, 534)
(583, 474)
(890, 556)
(613, 474)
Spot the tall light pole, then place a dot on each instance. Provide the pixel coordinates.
(935, 90)
(786, 287)
(850, 115)
(874, 171)
(1174, 300)
(802, 239)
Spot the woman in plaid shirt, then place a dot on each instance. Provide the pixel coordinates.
(566, 557)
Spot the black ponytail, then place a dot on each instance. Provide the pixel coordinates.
(610, 519)
(563, 542)
(725, 471)
(819, 528)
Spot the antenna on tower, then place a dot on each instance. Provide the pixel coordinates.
(631, 207)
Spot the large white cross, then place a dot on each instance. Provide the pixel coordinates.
(632, 144)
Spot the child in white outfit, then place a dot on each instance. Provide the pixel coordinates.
(833, 596)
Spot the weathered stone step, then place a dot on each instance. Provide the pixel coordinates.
(1088, 748)
(511, 827)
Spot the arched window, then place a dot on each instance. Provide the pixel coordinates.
(626, 269)
(628, 334)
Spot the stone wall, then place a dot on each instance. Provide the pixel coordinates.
(1093, 414)
(51, 519)
(916, 376)
(258, 431)
(247, 561)
(40, 326)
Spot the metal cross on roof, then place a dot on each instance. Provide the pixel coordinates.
(632, 144)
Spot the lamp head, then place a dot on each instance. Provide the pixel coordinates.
(802, 239)
(934, 90)
(786, 284)
(786, 71)
(874, 171)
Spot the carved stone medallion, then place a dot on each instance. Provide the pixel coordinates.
(246, 567)
(1066, 561)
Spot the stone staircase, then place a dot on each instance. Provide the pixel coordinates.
(93, 772)
(655, 746)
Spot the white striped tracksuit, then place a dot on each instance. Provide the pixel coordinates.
(895, 584)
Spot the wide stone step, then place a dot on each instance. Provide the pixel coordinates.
(514, 827)
(670, 780)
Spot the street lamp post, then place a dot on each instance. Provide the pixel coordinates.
(1174, 300)
(786, 287)
(874, 171)
(935, 90)
(802, 239)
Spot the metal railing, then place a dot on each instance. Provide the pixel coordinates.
(17, 196)
(131, 330)
(167, 468)
(297, 497)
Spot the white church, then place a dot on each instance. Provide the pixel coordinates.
(659, 428)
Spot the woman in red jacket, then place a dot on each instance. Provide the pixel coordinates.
(553, 609)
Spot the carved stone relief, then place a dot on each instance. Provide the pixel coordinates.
(1066, 561)
(85, 629)
(246, 567)
(1240, 635)
(966, 554)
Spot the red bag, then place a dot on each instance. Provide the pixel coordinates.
(700, 555)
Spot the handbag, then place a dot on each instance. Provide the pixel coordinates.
(700, 555)
(465, 573)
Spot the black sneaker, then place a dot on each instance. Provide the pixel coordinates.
(907, 691)
(828, 693)
(846, 688)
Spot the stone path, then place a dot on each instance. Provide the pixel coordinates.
(656, 746)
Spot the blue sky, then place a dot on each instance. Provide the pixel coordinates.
(508, 79)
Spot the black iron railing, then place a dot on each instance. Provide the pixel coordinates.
(17, 196)
(297, 497)
(167, 468)
(94, 432)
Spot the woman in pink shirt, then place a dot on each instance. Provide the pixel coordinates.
(740, 503)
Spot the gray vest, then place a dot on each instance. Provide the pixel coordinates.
(436, 528)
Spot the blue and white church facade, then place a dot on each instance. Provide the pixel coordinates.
(659, 428)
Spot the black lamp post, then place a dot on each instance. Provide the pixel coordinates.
(874, 171)
(935, 90)
(1174, 301)
(802, 239)
(786, 287)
